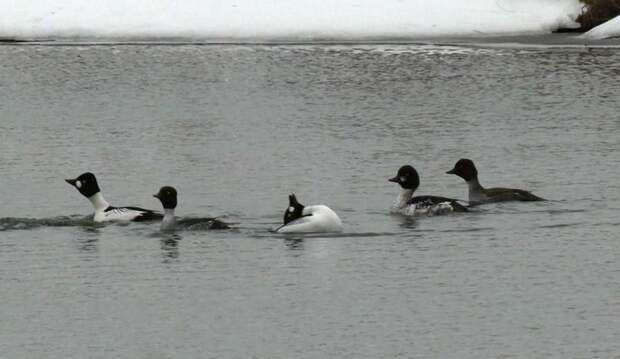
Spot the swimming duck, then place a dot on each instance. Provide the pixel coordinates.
(409, 180)
(466, 169)
(87, 185)
(167, 195)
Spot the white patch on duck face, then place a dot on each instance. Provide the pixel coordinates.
(291, 209)
(78, 184)
(402, 178)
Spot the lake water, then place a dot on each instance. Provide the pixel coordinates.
(236, 129)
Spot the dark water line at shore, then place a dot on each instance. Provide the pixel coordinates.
(537, 42)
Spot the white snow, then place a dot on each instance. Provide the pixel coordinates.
(605, 30)
(281, 19)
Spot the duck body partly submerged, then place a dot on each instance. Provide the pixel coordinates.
(167, 195)
(309, 219)
(408, 204)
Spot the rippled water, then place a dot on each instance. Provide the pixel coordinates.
(236, 129)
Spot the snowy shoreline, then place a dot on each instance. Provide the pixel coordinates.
(296, 21)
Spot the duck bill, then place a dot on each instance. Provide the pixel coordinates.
(393, 179)
(452, 171)
(71, 181)
(156, 195)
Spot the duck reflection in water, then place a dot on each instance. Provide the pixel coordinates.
(169, 245)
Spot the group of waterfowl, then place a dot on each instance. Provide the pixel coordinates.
(407, 177)
(309, 219)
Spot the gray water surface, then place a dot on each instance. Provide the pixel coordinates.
(236, 129)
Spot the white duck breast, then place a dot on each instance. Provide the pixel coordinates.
(424, 209)
(169, 221)
(315, 219)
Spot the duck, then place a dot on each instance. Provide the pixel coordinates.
(167, 195)
(409, 180)
(309, 219)
(87, 185)
(466, 169)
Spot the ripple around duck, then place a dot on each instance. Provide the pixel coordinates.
(563, 225)
(18, 223)
(184, 223)
(262, 234)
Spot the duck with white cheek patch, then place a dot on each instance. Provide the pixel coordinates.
(409, 180)
(309, 219)
(87, 185)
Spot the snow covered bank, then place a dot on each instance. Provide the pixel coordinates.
(281, 19)
(604, 31)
